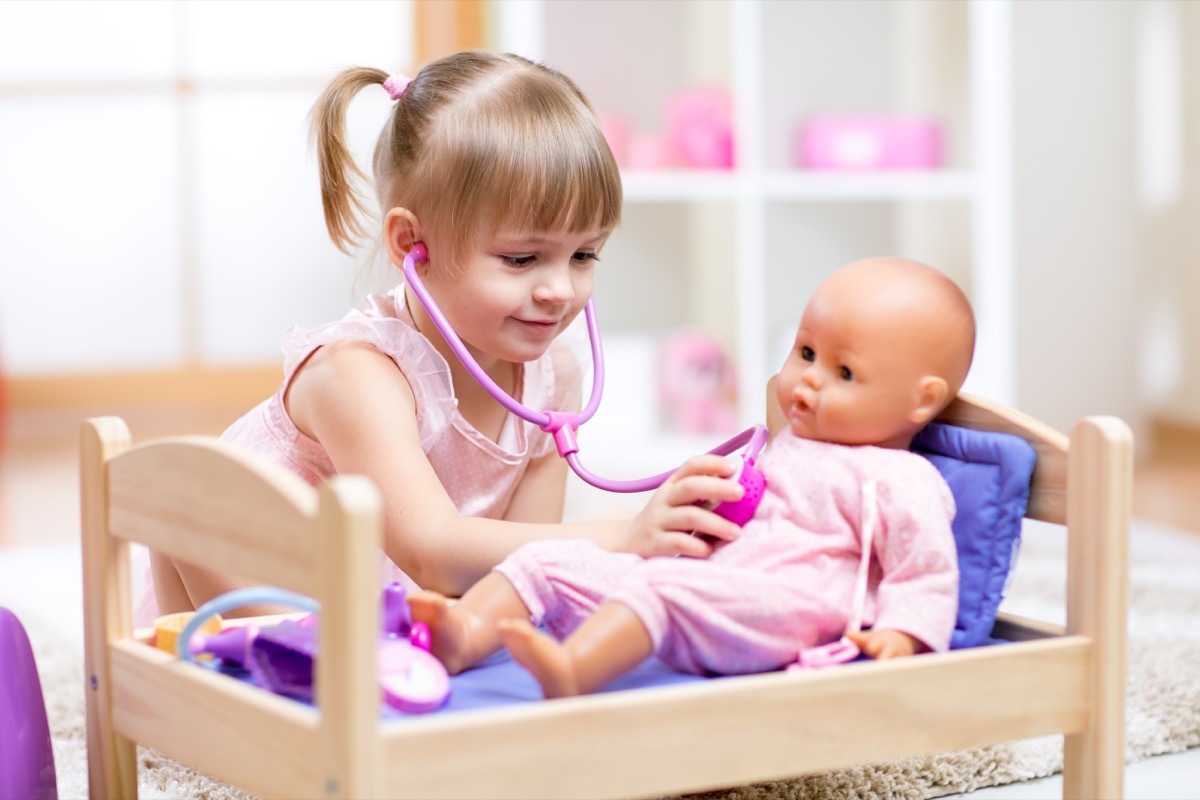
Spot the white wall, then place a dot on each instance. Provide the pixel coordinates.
(1079, 250)
(158, 203)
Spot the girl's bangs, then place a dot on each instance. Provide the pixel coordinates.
(561, 183)
(530, 170)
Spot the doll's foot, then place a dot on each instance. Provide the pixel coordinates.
(447, 630)
(544, 657)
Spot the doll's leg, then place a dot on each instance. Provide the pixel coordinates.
(607, 645)
(464, 633)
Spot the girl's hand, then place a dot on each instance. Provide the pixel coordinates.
(673, 524)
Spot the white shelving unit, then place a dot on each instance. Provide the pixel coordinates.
(781, 227)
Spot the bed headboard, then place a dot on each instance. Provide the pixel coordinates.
(211, 504)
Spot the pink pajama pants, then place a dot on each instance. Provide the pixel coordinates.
(722, 615)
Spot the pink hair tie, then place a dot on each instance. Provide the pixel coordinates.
(396, 84)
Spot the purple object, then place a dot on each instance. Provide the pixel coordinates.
(395, 617)
(229, 645)
(740, 512)
(280, 658)
(411, 679)
(26, 752)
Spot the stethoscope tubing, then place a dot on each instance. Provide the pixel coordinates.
(561, 425)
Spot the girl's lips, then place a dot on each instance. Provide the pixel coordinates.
(539, 325)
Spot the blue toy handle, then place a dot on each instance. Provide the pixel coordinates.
(236, 599)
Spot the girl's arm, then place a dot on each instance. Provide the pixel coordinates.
(541, 495)
(356, 402)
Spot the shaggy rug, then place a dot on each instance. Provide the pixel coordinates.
(41, 586)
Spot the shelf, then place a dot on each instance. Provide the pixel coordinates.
(681, 186)
(892, 185)
(678, 185)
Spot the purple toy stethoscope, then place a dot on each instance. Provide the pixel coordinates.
(562, 425)
(280, 656)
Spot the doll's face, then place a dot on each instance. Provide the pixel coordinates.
(862, 367)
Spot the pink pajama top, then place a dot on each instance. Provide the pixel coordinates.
(787, 583)
(479, 475)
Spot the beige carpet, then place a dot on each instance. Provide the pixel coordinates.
(41, 586)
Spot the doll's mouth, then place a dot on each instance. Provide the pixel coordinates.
(801, 407)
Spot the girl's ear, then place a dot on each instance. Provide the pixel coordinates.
(401, 230)
(932, 394)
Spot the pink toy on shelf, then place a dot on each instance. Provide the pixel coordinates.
(617, 134)
(648, 151)
(870, 142)
(699, 128)
(697, 384)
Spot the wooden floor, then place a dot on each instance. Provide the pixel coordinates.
(39, 473)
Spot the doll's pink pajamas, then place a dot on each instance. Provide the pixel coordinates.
(787, 583)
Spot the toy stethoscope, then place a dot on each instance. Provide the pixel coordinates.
(562, 425)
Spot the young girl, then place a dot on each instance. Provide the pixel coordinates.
(498, 167)
(882, 347)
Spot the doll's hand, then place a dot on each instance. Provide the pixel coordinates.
(883, 644)
(673, 524)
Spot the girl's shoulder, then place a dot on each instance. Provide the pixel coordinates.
(382, 321)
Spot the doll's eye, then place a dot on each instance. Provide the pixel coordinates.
(847, 374)
(807, 353)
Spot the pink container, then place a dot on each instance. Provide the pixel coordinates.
(853, 143)
(699, 128)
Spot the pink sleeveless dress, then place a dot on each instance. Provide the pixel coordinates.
(479, 475)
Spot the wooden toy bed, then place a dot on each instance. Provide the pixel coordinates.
(199, 500)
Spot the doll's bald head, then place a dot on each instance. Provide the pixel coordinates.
(915, 304)
(883, 346)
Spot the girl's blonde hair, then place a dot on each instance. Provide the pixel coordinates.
(478, 140)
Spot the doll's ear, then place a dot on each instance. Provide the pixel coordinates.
(401, 230)
(932, 395)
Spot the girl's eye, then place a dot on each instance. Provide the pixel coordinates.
(847, 374)
(807, 353)
(583, 257)
(518, 261)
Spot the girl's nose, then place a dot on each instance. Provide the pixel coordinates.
(555, 286)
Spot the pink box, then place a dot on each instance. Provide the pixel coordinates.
(852, 143)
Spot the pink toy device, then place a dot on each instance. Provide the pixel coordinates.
(751, 478)
(851, 143)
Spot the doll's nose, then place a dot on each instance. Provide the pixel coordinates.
(811, 378)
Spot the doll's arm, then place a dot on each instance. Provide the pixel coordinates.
(918, 589)
(886, 643)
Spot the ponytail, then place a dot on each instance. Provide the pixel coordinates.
(341, 200)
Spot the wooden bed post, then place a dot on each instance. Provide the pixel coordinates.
(1099, 506)
(112, 759)
(347, 691)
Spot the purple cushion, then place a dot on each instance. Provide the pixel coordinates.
(989, 476)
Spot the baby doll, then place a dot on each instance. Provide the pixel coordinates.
(882, 347)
